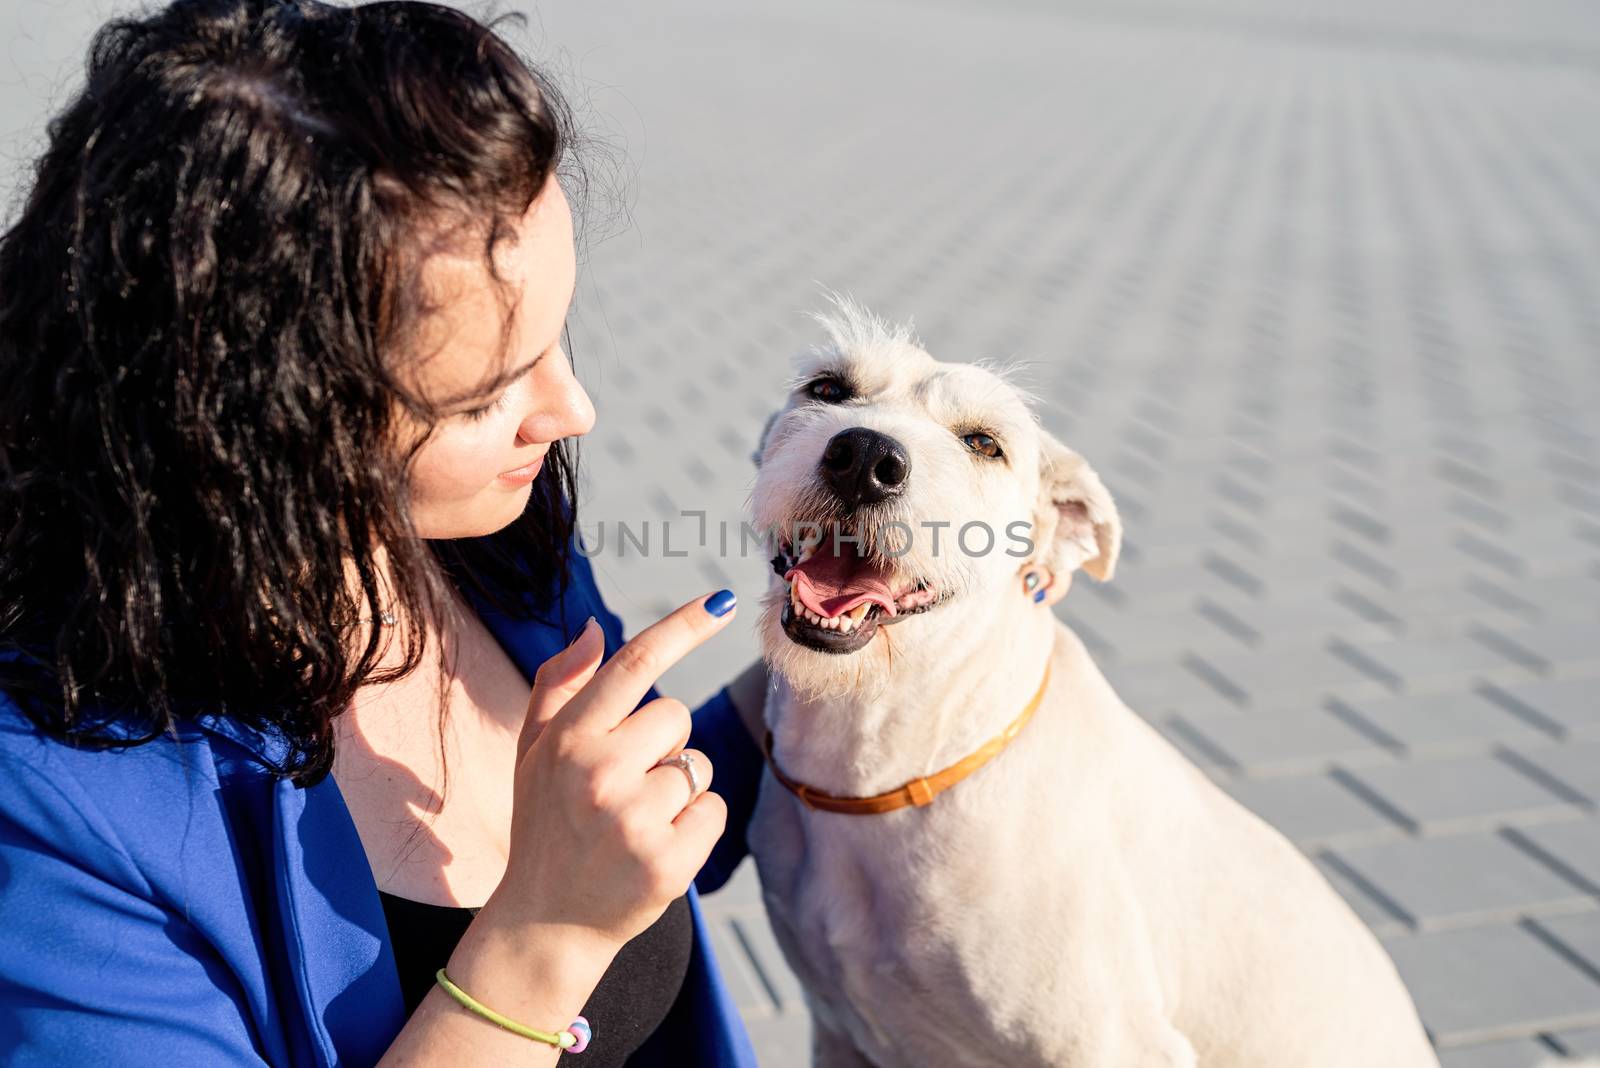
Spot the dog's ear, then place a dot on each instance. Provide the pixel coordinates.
(1074, 514)
(761, 443)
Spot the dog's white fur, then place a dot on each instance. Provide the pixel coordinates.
(1088, 899)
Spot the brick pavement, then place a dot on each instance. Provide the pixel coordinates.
(1316, 294)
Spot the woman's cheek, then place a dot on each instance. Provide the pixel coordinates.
(455, 465)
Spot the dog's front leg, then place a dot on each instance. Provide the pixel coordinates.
(1122, 1002)
(831, 1049)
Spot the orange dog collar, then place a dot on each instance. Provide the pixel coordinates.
(917, 792)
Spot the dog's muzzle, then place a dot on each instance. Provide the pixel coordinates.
(837, 597)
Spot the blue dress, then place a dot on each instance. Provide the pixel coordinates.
(171, 903)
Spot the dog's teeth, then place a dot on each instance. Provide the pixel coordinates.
(859, 612)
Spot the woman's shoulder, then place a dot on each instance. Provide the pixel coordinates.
(133, 812)
(201, 753)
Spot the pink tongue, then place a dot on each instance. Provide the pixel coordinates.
(831, 585)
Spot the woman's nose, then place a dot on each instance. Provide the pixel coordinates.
(562, 408)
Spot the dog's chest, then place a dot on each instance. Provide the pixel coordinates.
(883, 928)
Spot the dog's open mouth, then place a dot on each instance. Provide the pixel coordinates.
(838, 598)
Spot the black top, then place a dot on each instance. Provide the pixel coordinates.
(630, 1001)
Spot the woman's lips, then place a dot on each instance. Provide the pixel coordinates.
(523, 475)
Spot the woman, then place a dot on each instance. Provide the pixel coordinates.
(288, 502)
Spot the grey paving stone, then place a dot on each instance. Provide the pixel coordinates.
(1575, 765)
(1422, 664)
(743, 888)
(743, 976)
(1138, 640)
(1285, 740)
(1443, 724)
(1305, 620)
(1510, 1053)
(1452, 880)
(1195, 747)
(761, 947)
(1313, 810)
(1446, 610)
(1572, 705)
(1384, 920)
(1584, 1042)
(1571, 848)
(1557, 648)
(1461, 793)
(1156, 687)
(1485, 983)
(781, 1041)
(1262, 681)
(1579, 935)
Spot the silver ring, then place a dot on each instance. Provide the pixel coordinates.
(686, 762)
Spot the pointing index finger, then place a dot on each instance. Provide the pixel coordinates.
(624, 679)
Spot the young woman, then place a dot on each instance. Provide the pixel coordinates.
(289, 717)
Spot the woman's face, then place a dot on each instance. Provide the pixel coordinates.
(468, 478)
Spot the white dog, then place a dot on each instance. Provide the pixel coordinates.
(1072, 893)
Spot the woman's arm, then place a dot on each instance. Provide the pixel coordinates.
(94, 969)
(538, 978)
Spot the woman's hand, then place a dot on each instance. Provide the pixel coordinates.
(603, 840)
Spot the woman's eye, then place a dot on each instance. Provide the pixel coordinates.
(828, 390)
(982, 444)
(475, 414)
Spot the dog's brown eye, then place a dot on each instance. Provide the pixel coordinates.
(830, 390)
(982, 444)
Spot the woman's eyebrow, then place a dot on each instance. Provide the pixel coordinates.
(504, 378)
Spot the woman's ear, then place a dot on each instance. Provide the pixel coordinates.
(1074, 515)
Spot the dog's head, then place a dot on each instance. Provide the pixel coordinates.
(902, 492)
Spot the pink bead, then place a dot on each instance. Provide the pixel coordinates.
(580, 1028)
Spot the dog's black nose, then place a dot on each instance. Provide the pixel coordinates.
(863, 466)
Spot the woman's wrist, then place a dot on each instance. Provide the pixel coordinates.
(540, 975)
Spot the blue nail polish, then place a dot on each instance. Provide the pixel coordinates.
(721, 602)
(1039, 596)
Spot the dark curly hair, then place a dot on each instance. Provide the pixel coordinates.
(202, 307)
